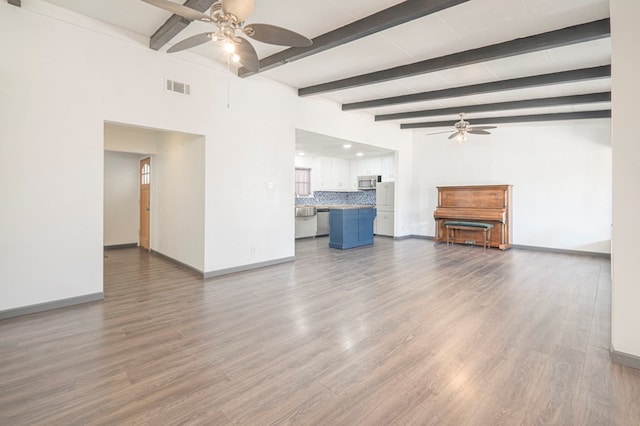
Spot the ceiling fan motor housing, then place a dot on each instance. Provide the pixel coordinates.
(240, 9)
(462, 125)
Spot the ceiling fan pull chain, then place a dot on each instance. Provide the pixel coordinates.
(228, 84)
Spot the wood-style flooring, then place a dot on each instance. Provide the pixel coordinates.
(401, 332)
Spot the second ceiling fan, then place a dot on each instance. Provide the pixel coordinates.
(228, 16)
(462, 128)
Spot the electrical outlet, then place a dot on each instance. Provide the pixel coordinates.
(253, 250)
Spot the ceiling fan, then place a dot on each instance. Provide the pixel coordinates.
(228, 16)
(462, 128)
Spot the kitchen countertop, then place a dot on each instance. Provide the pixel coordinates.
(345, 206)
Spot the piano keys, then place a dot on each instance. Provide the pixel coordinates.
(475, 203)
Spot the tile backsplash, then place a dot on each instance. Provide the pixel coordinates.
(331, 197)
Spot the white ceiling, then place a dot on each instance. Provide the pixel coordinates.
(470, 25)
(310, 144)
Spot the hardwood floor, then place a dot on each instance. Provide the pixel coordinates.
(402, 332)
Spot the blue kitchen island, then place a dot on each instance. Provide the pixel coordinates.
(351, 226)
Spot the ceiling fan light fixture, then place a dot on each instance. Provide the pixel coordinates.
(228, 16)
(241, 9)
(229, 46)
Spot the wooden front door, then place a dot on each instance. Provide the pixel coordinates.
(145, 205)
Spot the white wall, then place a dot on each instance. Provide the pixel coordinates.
(61, 83)
(177, 199)
(51, 163)
(250, 176)
(625, 62)
(560, 172)
(177, 187)
(121, 207)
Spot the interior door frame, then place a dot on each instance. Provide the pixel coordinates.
(144, 226)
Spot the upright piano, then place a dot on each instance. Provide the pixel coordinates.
(475, 203)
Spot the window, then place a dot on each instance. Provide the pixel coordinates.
(145, 175)
(303, 182)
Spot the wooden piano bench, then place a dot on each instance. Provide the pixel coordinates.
(451, 227)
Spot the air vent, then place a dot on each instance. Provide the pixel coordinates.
(176, 86)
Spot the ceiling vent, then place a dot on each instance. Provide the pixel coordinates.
(176, 86)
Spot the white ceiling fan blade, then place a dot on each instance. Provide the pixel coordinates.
(276, 35)
(180, 10)
(190, 42)
(241, 9)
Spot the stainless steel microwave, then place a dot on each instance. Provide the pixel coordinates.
(368, 182)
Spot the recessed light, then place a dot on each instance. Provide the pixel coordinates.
(301, 153)
(346, 146)
(359, 154)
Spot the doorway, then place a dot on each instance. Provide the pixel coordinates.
(169, 219)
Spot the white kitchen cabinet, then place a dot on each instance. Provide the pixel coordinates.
(326, 173)
(369, 166)
(373, 166)
(353, 175)
(388, 168)
(306, 226)
(330, 174)
(340, 174)
(383, 224)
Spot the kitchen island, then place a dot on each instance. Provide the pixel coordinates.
(351, 226)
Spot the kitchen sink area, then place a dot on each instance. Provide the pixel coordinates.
(306, 221)
(305, 211)
(313, 221)
(312, 214)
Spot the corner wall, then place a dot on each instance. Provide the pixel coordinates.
(625, 62)
(177, 199)
(121, 207)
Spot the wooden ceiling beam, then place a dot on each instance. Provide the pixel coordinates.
(401, 13)
(540, 80)
(503, 106)
(515, 119)
(175, 24)
(563, 37)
